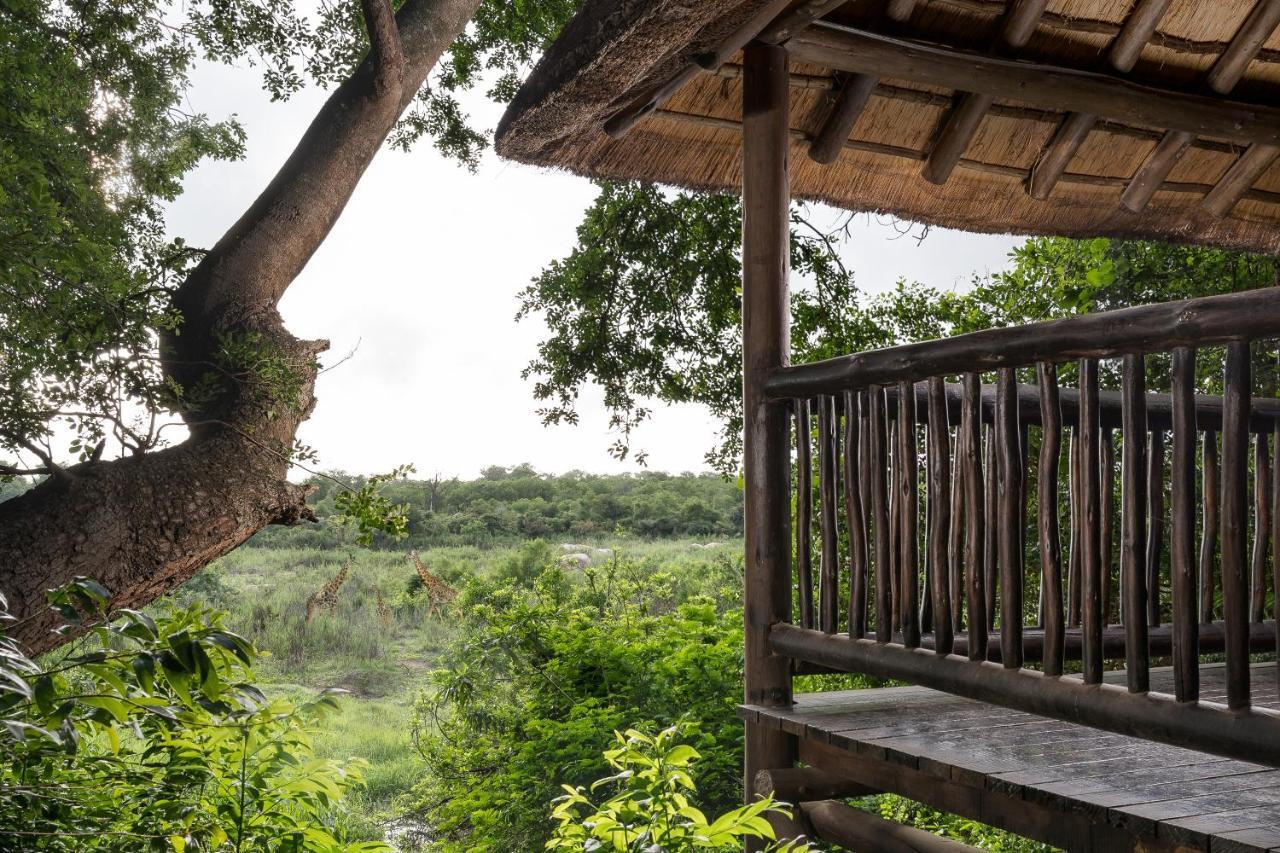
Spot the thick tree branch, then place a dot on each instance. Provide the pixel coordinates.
(385, 49)
(143, 525)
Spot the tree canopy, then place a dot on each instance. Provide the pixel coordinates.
(648, 303)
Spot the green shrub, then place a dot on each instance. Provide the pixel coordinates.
(149, 734)
(529, 698)
(652, 810)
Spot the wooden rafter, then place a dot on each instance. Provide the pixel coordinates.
(773, 24)
(854, 94)
(1050, 86)
(893, 92)
(1238, 179)
(963, 122)
(801, 138)
(1222, 78)
(1123, 55)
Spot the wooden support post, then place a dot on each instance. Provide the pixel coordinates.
(766, 210)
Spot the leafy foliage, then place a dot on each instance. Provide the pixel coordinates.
(150, 735)
(97, 135)
(545, 670)
(651, 811)
(648, 304)
(370, 511)
(503, 505)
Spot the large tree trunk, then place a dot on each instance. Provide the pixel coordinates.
(141, 526)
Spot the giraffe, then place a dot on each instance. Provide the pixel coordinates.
(384, 612)
(327, 595)
(439, 593)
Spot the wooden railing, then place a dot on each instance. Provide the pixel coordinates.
(938, 562)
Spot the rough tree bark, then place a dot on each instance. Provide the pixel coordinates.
(141, 526)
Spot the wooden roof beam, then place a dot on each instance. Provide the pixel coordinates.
(854, 93)
(850, 102)
(769, 25)
(1237, 181)
(1050, 86)
(1223, 76)
(1139, 27)
(963, 122)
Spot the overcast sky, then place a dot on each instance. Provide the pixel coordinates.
(420, 278)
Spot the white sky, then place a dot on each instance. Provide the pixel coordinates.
(422, 272)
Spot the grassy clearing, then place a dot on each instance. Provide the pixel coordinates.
(382, 654)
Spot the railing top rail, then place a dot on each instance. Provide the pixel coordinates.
(1204, 321)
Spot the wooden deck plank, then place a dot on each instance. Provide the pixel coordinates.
(1079, 787)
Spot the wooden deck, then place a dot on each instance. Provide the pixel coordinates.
(1067, 785)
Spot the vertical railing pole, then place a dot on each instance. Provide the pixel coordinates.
(1186, 650)
(1133, 532)
(855, 442)
(1235, 522)
(975, 501)
(955, 539)
(1074, 542)
(1047, 505)
(828, 488)
(1091, 611)
(1155, 524)
(1261, 526)
(940, 519)
(908, 505)
(804, 510)
(1108, 486)
(990, 551)
(1009, 514)
(1210, 497)
(879, 450)
(766, 341)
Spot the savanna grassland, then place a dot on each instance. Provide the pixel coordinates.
(572, 607)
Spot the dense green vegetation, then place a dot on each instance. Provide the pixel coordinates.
(503, 505)
(149, 734)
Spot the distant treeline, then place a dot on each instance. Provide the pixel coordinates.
(504, 504)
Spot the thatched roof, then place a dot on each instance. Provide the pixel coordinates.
(617, 52)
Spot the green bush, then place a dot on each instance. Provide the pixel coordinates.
(149, 734)
(652, 810)
(545, 673)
